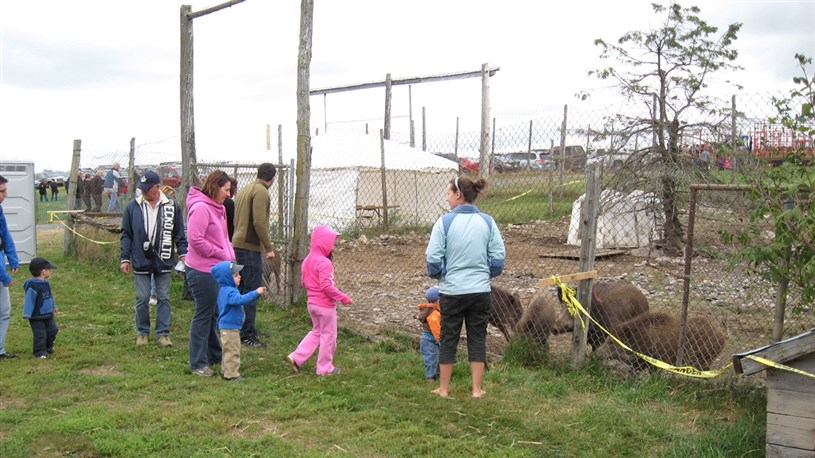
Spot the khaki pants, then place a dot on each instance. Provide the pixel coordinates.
(231, 343)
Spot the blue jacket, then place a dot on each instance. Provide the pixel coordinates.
(465, 251)
(39, 302)
(7, 250)
(230, 300)
(168, 238)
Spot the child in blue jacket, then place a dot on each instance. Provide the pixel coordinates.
(39, 307)
(231, 315)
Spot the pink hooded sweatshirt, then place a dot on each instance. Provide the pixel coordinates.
(318, 271)
(206, 232)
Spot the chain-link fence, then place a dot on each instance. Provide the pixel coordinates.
(384, 202)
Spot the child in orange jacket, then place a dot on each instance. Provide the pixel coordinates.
(430, 317)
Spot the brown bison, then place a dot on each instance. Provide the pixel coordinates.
(539, 320)
(612, 303)
(656, 334)
(506, 310)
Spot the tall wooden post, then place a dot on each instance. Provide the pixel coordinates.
(424, 130)
(300, 237)
(189, 160)
(562, 161)
(588, 245)
(68, 237)
(132, 175)
(384, 180)
(388, 88)
(483, 167)
(188, 155)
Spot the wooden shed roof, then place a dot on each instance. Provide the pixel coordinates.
(779, 352)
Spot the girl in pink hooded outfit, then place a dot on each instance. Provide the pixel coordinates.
(323, 294)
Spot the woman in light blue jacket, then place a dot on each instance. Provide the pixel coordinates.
(464, 252)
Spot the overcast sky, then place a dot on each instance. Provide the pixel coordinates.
(107, 70)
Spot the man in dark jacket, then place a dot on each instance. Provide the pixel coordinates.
(152, 234)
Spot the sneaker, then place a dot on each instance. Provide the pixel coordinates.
(204, 371)
(252, 342)
(41, 357)
(239, 378)
(153, 300)
(164, 341)
(49, 350)
(141, 340)
(7, 356)
(294, 366)
(336, 371)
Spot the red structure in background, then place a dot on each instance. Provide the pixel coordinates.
(773, 142)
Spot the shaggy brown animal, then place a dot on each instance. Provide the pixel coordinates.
(506, 310)
(656, 334)
(539, 319)
(612, 303)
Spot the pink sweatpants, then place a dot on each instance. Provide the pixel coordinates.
(323, 334)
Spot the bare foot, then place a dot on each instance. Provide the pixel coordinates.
(440, 392)
(479, 394)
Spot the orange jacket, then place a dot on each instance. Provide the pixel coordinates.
(430, 317)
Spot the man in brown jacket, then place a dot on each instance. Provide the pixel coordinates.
(252, 242)
(96, 188)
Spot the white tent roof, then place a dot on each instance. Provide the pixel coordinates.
(337, 150)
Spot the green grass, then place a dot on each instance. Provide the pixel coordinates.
(99, 395)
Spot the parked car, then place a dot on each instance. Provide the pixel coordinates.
(572, 156)
(520, 161)
(468, 164)
(48, 175)
(170, 175)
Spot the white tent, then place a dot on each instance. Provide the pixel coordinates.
(346, 182)
(624, 221)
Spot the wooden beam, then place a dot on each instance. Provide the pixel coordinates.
(403, 81)
(569, 278)
(212, 9)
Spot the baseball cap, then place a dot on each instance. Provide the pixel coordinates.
(148, 180)
(38, 264)
(235, 267)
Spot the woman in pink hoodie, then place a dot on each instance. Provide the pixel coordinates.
(323, 294)
(208, 245)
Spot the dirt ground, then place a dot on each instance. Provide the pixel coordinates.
(387, 276)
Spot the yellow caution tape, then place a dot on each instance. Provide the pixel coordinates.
(53, 215)
(567, 293)
(518, 196)
(776, 365)
(573, 305)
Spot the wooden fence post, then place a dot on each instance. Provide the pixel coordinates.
(67, 241)
(588, 244)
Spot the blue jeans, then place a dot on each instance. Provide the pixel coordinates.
(430, 352)
(205, 343)
(114, 205)
(251, 279)
(5, 315)
(163, 311)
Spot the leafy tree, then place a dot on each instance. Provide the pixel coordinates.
(779, 238)
(668, 70)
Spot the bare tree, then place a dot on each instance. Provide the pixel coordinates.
(667, 70)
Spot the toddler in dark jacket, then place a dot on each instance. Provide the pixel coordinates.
(39, 307)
